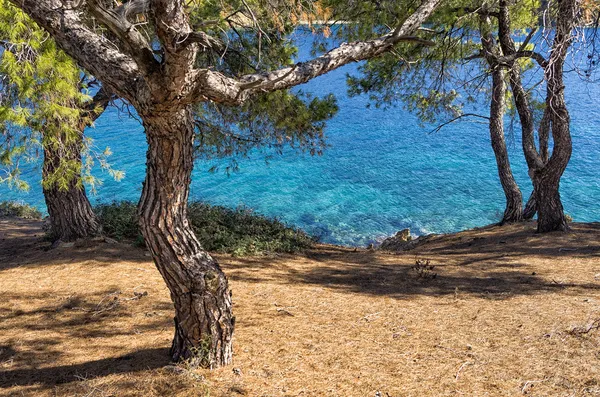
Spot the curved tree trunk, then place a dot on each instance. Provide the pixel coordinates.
(544, 137)
(199, 289)
(513, 211)
(70, 212)
(514, 199)
(545, 175)
(530, 208)
(546, 180)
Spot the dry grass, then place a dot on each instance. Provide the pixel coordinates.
(505, 315)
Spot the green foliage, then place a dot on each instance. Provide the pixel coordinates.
(119, 220)
(42, 104)
(435, 82)
(240, 231)
(271, 121)
(40, 93)
(258, 37)
(256, 32)
(19, 210)
(243, 232)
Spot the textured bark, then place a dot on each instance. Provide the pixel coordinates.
(551, 215)
(546, 181)
(70, 212)
(544, 137)
(545, 175)
(199, 289)
(514, 199)
(530, 208)
(513, 211)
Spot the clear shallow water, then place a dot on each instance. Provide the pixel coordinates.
(383, 172)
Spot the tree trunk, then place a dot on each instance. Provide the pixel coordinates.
(550, 210)
(199, 289)
(514, 199)
(70, 212)
(530, 208)
(545, 175)
(546, 180)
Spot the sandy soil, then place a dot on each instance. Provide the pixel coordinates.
(504, 312)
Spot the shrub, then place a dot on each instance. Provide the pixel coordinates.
(119, 220)
(238, 231)
(20, 210)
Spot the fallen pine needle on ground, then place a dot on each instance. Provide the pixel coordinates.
(508, 312)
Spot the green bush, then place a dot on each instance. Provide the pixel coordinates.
(238, 231)
(119, 220)
(20, 210)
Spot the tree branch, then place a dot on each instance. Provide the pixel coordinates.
(220, 88)
(132, 8)
(98, 104)
(92, 51)
(439, 127)
(205, 40)
(131, 39)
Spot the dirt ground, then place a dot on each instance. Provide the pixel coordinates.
(504, 312)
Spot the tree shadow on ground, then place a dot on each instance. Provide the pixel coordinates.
(53, 324)
(132, 362)
(404, 281)
(23, 243)
(509, 241)
(492, 262)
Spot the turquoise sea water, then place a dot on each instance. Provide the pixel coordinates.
(381, 173)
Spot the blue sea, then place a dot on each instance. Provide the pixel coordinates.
(382, 171)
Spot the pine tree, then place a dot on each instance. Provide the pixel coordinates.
(44, 104)
(167, 57)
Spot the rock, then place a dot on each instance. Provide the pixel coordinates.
(403, 235)
(109, 240)
(403, 241)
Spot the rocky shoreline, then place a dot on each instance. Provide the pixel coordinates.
(403, 241)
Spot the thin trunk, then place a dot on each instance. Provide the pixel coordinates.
(545, 175)
(199, 289)
(514, 200)
(70, 212)
(546, 180)
(513, 211)
(544, 137)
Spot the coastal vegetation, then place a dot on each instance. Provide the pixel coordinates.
(163, 85)
(217, 80)
(19, 210)
(239, 231)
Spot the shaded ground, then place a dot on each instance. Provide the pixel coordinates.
(504, 312)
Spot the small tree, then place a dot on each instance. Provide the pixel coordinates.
(443, 77)
(44, 103)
